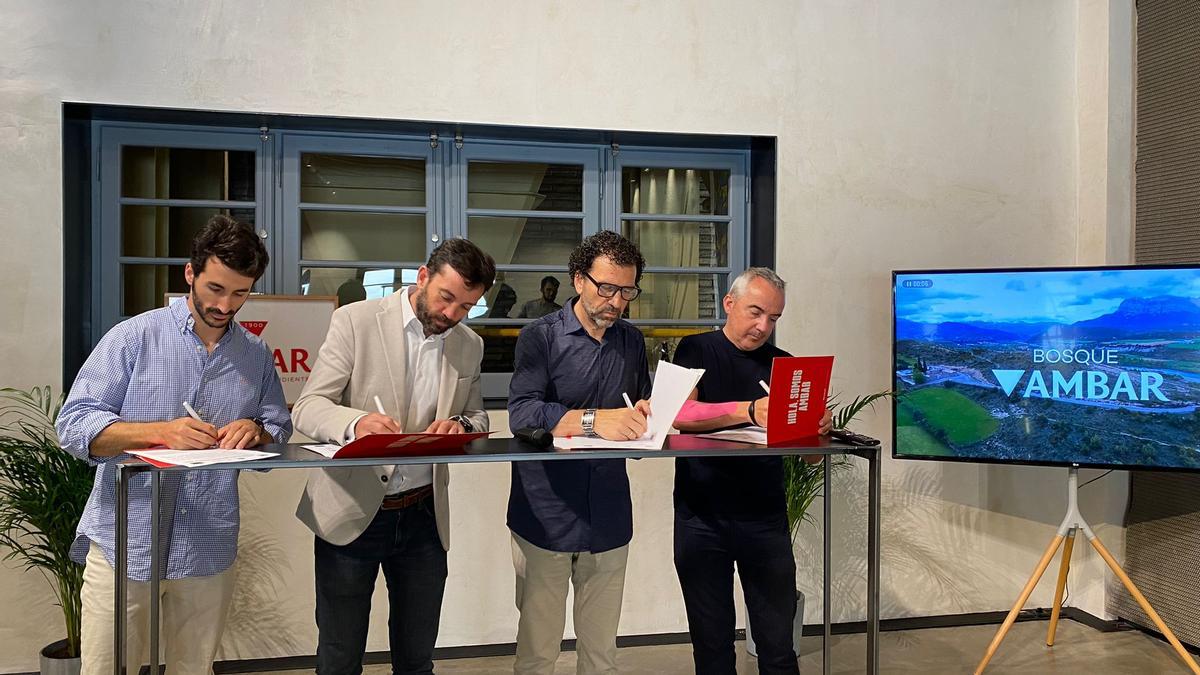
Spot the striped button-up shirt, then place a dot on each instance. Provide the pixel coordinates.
(142, 371)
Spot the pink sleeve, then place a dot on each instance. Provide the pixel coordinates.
(695, 411)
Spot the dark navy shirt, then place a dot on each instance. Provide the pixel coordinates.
(731, 487)
(576, 505)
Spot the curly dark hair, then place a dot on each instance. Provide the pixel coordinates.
(234, 243)
(606, 244)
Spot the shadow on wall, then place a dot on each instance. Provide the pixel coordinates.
(257, 617)
(932, 548)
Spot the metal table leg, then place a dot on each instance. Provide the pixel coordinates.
(826, 568)
(874, 462)
(121, 570)
(155, 567)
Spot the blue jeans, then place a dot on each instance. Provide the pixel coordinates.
(705, 550)
(405, 543)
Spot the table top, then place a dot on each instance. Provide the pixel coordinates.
(295, 456)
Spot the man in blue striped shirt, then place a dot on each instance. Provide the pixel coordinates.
(130, 394)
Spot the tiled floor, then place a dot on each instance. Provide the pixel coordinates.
(931, 651)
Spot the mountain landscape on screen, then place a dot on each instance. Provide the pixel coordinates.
(1095, 367)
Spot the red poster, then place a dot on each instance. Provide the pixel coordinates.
(799, 389)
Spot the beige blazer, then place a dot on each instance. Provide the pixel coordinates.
(364, 356)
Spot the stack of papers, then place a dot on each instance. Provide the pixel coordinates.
(197, 458)
(672, 386)
(755, 435)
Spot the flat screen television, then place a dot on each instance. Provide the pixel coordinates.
(1094, 367)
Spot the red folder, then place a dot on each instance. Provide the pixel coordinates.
(407, 445)
(799, 389)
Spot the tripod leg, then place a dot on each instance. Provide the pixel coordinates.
(1145, 605)
(1063, 568)
(1012, 615)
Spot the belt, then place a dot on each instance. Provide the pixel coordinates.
(406, 499)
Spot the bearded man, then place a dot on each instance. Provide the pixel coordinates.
(408, 352)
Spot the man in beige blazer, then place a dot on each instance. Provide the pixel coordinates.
(408, 350)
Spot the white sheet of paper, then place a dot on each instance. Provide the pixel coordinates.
(755, 435)
(324, 449)
(196, 458)
(672, 386)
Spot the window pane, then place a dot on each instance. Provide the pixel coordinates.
(526, 295)
(167, 231)
(669, 336)
(352, 284)
(185, 173)
(499, 345)
(673, 244)
(143, 286)
(370, 181)
(526, 241)
(345, 235)
(675, 191)
(525, 186)
(677, 296)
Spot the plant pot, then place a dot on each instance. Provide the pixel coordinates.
(797, 628)
(55, 662)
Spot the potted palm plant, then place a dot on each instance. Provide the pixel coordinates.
(803, 482)
(43, 490)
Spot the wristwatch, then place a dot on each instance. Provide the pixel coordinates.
(588, 421)
(464, 422)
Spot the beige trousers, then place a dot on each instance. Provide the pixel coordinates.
(192, 612)
(542, 581)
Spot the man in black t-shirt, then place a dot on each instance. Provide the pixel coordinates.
(731, 510)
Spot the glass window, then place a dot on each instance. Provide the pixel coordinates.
(353, 235)
(369, 181)
(524, 186)
(144, 287)
(680, 244)
(351, 284)
(675, 191)
(526, 241)
(187, 173)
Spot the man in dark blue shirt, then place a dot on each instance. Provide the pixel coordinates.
(572, 521)
(731, 510)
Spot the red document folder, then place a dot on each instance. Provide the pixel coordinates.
(799, 388)
(406, 445)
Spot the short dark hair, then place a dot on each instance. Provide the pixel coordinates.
(234, 243)
(606, 244)
(475, 266)
(549, 280)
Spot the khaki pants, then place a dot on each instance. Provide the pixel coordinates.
(192, 611)
(542, 580)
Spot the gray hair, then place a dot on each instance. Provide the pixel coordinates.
(765, 273)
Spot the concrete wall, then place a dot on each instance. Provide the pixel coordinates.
(911, 134)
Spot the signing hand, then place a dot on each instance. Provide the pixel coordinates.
(374, 423)
(239, 434)
(186, 433)
(826, 423)
(445, 427)
(621, 424)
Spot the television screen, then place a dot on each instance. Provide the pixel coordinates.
(1093, 367)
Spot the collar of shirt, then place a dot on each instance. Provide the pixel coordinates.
(181, 312)
(411, 323)
(570, 322)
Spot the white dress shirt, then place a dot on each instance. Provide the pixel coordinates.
(422, 381)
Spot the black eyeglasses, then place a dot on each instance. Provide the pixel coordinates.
(629, 293)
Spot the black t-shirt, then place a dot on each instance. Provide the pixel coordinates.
(736, 487)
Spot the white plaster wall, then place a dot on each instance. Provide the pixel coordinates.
(911, 134)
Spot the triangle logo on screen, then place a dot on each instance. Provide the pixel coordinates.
(1008, 379)
(255, 327)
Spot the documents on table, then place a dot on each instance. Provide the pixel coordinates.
(672, 386)
(324, 449)
(755, 435)
(398, 445)
(198, 458)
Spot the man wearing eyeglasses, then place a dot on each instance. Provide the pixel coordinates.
(572, 521)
